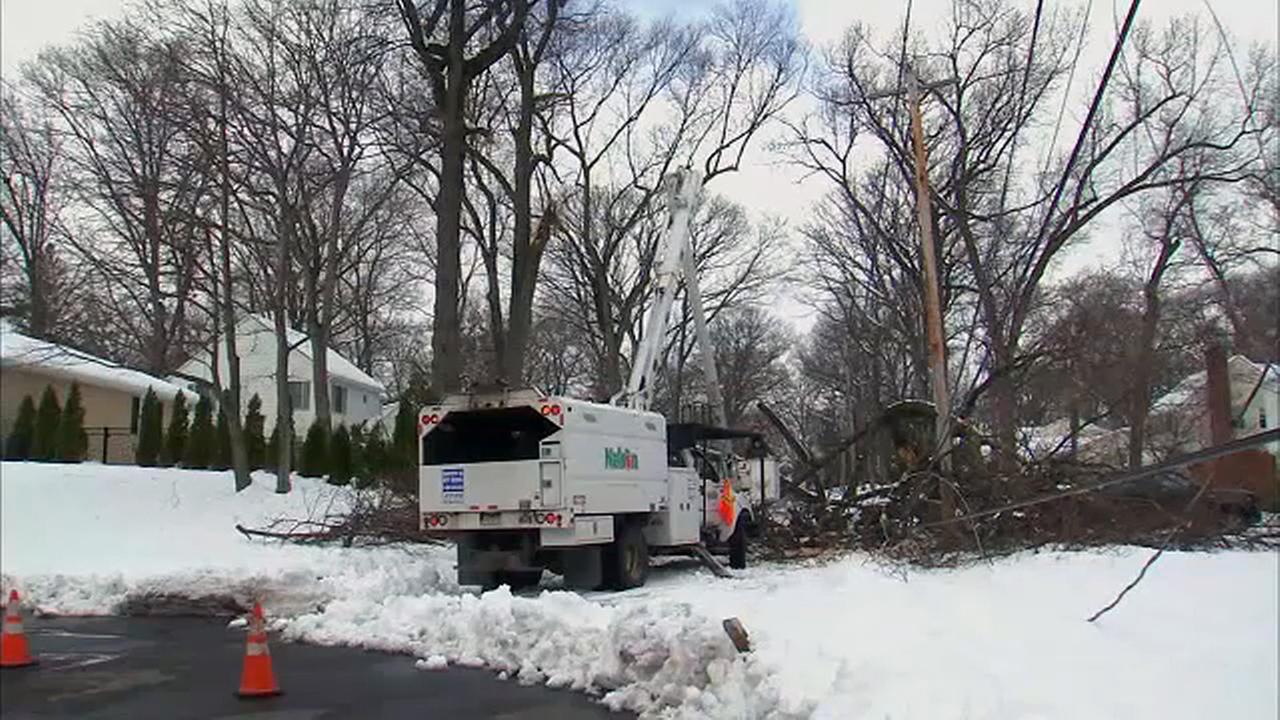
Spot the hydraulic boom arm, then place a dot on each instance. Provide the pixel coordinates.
(677, 262)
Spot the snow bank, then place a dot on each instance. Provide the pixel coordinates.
(659, 658)
(852, 640)
(1197, 639)
(81, 539)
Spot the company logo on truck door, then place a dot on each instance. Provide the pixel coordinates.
(621, 459)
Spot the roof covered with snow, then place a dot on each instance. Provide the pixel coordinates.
(1191, 390)
(339, 366)
(23, 352)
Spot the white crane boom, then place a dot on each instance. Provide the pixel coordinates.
(677, 262)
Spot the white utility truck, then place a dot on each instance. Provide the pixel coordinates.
(525, 481)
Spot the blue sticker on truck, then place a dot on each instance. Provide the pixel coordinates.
(451, 486)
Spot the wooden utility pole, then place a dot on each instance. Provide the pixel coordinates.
(932, 297)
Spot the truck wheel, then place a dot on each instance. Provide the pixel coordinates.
(627, 560)
(738, 545)
(518, 579)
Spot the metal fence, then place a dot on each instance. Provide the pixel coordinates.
(110, 444)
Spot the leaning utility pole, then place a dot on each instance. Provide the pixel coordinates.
(932, 299)
(932, 296)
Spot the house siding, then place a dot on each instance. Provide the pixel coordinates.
(256, 346)
(104, 407)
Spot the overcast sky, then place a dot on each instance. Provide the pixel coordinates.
(765, 186)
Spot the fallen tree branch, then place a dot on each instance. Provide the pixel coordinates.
(1210, 453)
(1134, 583)
(251, 533)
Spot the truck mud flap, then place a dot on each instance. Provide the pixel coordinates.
(582, 567)
(479, 557)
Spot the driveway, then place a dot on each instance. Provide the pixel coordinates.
(170, 668)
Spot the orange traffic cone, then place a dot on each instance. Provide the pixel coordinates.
(14, 650)
(257, 679)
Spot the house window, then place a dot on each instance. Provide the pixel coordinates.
(339, 399)
(299, 395)
(135, 414)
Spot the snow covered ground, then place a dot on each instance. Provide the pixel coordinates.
(846, 639)
(79, 539)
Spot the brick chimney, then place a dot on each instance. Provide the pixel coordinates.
(1218, 394)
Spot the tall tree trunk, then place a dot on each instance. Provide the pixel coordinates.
(38, 320)
(323, 296)
(239, 451)
(524, 278)
(156, 343)
(525, 255)
(1145, 352)
(284, 413)
(319, 341)
(1004, 403)
(446, 333)
(528, 246)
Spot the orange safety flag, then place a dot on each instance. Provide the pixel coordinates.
(727, 503)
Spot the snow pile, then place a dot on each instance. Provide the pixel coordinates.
(659, 658)
(853, 640)
(83, 539)
(1197, 638)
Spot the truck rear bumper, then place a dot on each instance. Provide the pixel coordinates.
(437, 521)
(551, 528)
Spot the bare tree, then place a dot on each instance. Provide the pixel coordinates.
(343, 188)
(118, 96)
(751, 348)
(441, 32)
(206, 26)
(559, 361)
(637, 102)
(527, 245)
(36, 283)
(273, 118)
(382, 282)
(1009, 202)
(611, 74)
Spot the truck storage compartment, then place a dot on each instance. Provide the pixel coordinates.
(476, 436)
(488, 460)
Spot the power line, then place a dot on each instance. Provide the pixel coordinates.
(1088, 121)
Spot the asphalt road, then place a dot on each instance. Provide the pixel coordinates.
(172, 668)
